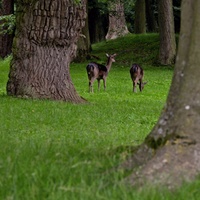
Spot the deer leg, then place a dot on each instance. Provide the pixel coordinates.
(135, 85)
(91, 85)
(140, 85)
(104, 83)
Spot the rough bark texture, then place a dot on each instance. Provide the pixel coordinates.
(117, 22)
(140, 17)
(171, 152)
(7, 8)
(44, 44)
(167, 50)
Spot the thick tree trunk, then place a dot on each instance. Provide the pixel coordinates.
(44, 45)
(140, 17)
(7, 8)
(171, 152)
(117, 22)
(167, 50)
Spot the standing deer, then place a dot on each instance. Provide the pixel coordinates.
(98, 71)
(137, 74)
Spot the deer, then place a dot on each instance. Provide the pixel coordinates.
(137, 74)
(99, 71)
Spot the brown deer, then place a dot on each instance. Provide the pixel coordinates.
(98, 71)
(137, 74)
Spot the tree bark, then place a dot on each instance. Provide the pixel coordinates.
(44, 45)
(7, 8)
(167, 50)
(117, 22)
(84, 44)
(170, 154)
(140, 17)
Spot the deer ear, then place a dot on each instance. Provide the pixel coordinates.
(107, 55)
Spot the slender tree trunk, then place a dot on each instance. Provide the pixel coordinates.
(7, 8)
(44, 45)
(167, 50)
(140, 17)
(117, 22)
(171, 152)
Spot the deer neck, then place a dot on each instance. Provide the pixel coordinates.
(109, 64)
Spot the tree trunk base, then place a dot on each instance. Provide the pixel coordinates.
(169, 166)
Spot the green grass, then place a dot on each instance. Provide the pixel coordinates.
(4, 74)
(56, 151)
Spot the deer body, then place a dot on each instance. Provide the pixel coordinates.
(98, 71)
(137, 74)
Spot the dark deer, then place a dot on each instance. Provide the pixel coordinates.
(137, 74)
(98, 71)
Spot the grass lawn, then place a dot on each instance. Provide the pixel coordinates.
(57, 151)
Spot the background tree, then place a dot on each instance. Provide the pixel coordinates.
(98, 20)
(140, 17)
(167, 50)
(171, 152)
(6, 38)
(117, 21)
(44, 44)
(151, 21)
(84, 44)
(129, 12)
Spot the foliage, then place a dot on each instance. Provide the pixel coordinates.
(129, 11)
(7, 25)
(55, 150)
(101, 5)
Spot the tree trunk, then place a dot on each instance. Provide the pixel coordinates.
(84, 44)
(171, 152)
(140, 17)
(98, 22)
(152, 25)
(167, 50)
(6, 8)
(117, 22)
(44, 45)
